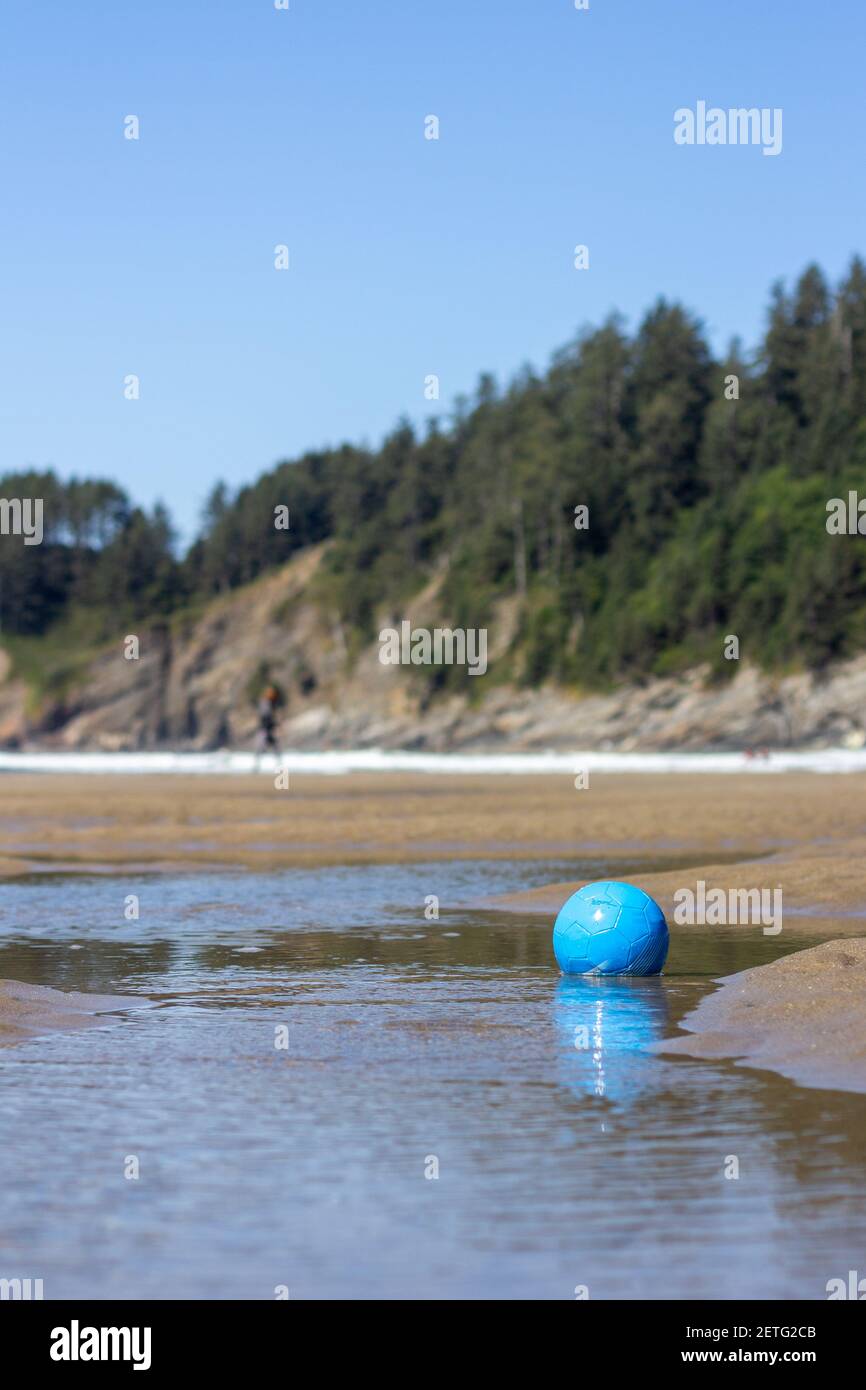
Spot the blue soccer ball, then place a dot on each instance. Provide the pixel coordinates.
(610, 929)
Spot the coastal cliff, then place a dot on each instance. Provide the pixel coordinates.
(195, 682)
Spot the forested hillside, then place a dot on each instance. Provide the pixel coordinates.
(706, 514)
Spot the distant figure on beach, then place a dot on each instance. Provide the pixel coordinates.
(266, 738)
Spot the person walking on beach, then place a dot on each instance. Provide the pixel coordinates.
(266, 738)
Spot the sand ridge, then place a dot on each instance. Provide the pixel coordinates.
(31, 1010)
(803, 1016)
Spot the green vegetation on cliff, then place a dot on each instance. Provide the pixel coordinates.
(706, 513)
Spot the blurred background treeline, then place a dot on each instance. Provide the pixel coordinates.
(706, 514)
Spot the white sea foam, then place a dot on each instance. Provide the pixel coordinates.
(339, 761)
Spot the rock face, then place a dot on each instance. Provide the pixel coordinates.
(195, 682)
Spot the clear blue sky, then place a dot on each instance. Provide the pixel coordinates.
(408, 256)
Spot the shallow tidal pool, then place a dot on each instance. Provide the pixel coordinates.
(332, 1095)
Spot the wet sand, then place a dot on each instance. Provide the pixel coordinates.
(64, 822)
(803, 833)
(27, 1011)
(802, 1016)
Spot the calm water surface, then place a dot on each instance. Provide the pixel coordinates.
(408, 1041)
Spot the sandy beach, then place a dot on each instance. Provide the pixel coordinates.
(810, 826)
(803, 834)
(280, 1002)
